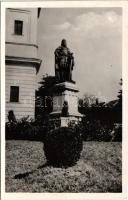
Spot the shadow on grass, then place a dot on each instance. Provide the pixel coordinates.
(24, 175)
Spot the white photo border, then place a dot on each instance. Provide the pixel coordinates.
(69, 196)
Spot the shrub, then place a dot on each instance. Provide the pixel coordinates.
(95, 130)
(25, 129)
(63, 146)
(10, 130)
(117, 133)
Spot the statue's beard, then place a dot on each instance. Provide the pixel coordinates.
(64, 45)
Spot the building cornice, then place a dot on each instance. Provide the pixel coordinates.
(23, 44)
(19, 10)
(22, 60)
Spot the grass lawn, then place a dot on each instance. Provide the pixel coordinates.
(98, 170)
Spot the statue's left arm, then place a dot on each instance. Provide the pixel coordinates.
(72, 60)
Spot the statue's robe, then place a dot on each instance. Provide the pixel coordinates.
(63, 64)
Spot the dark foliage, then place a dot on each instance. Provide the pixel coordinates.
(44, 100)
(63, 146)
(116, 133)
(25, 129)
(102, 121)
(104, 114)
(110, 112)
(11, 116)
(97, 130)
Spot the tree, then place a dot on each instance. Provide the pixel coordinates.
(118, 106)
(86, 102)
(120, 94)
(44, 96)
(89, 100)
(115, 107)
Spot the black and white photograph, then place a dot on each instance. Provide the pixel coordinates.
(63, 99)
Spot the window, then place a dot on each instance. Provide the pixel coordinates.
(14, 94)
(18, 27)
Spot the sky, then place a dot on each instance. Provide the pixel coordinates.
(94, 35)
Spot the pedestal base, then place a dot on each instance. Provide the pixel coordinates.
(56, 122)
(65, 92)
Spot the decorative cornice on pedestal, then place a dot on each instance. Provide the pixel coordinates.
(66, 86)
(21, 60)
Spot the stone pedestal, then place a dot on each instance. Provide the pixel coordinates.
(65, 92)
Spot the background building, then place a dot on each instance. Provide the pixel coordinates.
(22, 63)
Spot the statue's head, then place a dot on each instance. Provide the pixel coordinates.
(63, 43)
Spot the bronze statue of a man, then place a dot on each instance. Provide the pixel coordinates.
(64, 62)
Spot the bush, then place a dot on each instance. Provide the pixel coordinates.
(117, 133)
(10, 130)
(63, 146)
(25, 129)
(96, 130)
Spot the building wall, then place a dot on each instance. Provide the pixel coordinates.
(24, 77)
(29, 17)
(21, 50)
(24, 45)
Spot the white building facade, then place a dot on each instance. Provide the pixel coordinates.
(22, 63)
